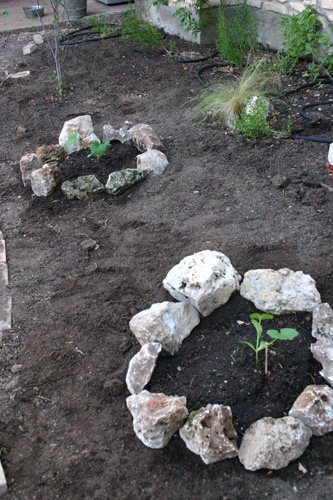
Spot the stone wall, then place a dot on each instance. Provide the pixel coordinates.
(267, 13)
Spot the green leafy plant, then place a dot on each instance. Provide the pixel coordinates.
(237, 37)
(71, 139)
(224, 103)
(139, 30)
(102, 27)
(193, 19)
(283, 334)
(254, 124)
(304, 37)
(96, 148)
(4, 13)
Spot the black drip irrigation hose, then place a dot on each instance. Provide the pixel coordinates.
(183, 61)
(86, 30)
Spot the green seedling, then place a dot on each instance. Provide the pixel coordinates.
(70, 141)
(98, 149)
(283, 334)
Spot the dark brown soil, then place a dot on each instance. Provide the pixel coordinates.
(65, 430)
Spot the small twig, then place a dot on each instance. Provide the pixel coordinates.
(326, 186)
(266, 359)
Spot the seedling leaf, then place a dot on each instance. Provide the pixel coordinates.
(247, 343)
(262, 345)
(98, 149)
(255, 316)
(71, 139)
(283, 334)
(266, 316)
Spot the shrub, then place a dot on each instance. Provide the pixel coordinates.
(237, 37)
(139, 30)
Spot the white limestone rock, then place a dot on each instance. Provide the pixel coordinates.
(209, 433)
(83, 127)
(168, 323)
(315, 408)
(111, 134)
(152, 162)
(38, 39)
(141, 367)
(330, 154)
(144, 138)
(30, 48)
(205, 279)
(322, 322)
(156, 417)
(322, 351)
(272, 443)
(3, 482)
(45, 180)
(280, 292)
(29, 163)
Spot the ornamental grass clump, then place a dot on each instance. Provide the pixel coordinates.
(225, 102)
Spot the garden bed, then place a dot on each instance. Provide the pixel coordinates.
(65, 430)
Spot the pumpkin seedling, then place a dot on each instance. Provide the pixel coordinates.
(96, 148)
(283, 334)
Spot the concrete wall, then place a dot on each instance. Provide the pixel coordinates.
(267, 13)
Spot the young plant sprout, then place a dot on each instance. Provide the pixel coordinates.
(283, 334)
(96, 148)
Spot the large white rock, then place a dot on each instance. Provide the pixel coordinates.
(168, 323)
(141, 367)
(322, 351)
(45, 180)
(3, 482)
(315, 408)
(144, 138)
(272, 443)
(209, 432)
(205, 279)
(152, 162)
(330, 154)
(29, 163)
(322, 322)
(156, 417)
(280, 292)
(83, 127)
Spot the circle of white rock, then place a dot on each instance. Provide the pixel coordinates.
(40, 170)
(201, 283)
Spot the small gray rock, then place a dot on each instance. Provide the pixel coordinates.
(89, 245)
(280, 292)
(152, 162)
(156, 417)
(322, 322)
(272, 443)
(322, 351)
(29, 163)
(45, 180)
(141, 367)
(144, 138)
(119, 182)
(30, 48)
(83, 187)
(209, 432)
(315, 408)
